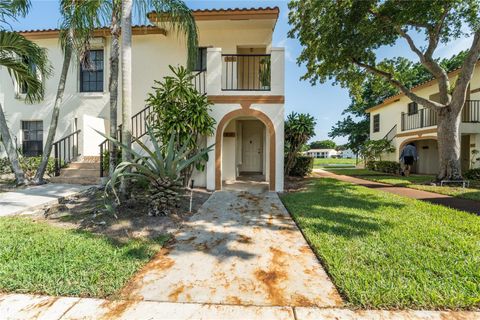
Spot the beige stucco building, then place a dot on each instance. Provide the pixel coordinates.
(402, 121)
(238, 69)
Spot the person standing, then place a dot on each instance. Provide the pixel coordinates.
(408, 157)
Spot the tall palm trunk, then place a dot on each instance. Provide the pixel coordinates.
(67, 57)
(126, 81)
(10, 149)
(113, 82)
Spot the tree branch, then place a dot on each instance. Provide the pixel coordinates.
(459, 93)
(389, 77)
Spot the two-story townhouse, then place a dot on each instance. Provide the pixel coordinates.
(402, 121)
(237, 68)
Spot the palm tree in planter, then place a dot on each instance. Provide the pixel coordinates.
(79, 18)
(27, 64)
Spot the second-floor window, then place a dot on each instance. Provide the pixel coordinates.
(412, 108)
(201, 62)
(376, 123)
(91, 72)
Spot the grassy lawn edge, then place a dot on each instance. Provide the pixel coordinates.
(400, 267)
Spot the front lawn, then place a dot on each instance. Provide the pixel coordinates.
(420, 182)
(333, 162)
(386, 251)
(36, 257)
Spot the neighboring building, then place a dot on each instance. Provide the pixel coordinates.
(403, 121)
(346, 154)
(321, 153)
(238, 69)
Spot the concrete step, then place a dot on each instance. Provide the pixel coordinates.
(74, 173)
(76, 180)
(83, 165)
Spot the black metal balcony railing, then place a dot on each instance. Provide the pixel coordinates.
(471, 111)
(65, 150)
(199, 81)
(391, 134)
(246, 72)
(423, 118)
(428, 117)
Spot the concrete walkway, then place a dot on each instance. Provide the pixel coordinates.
(436, 198)
(26, 200)
(21, 307)
(239, 249)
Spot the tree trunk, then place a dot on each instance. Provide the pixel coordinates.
(113, 85)
(449, 143)
(67, 57)
(126, 82)
(10, 149)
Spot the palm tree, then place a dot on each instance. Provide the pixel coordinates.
(79, 18)
(180, 20)
(27, 64)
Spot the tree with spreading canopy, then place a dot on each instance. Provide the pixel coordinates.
(374, 90)
(27, 64)
(341, 40)
(323, 144)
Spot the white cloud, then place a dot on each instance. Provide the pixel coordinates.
(454, 47)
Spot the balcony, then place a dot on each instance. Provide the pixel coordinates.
(243, 74)
(428, 117)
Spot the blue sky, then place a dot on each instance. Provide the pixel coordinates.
(325, 102)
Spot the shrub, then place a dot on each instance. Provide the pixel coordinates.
(384, 166)
(303, 166)
(29, 166)
(472, 174)
(299, 128)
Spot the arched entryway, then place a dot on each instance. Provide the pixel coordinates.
(245, 144)
(427, 149)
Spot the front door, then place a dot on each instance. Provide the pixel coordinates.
(465, 152)
(252, 154)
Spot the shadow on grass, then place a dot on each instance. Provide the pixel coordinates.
(325, 214)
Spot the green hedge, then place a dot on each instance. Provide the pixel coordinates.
(472, 174)
(303, 167)
(29, 165)
(384, 166)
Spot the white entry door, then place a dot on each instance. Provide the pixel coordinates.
(252, 151)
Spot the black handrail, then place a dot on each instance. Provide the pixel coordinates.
(199, 81)
(140, 121)
(65, 150)
(391, 134)
(246, 72)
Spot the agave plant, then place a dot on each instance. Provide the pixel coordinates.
(160, 167)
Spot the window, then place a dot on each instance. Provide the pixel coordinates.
(412, 108)
(201, 62)
(376, 123)
(91, 72)
(23, 86)
(32, 143)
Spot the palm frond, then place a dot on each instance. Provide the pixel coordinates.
(11, 9)
(26, 62)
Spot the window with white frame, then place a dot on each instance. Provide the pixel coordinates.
(91, 71)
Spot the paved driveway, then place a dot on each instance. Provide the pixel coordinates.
(240, 249)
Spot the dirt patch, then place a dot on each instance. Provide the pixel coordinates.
(295, 184)
(115, 309)
(273, 277)
(173, 296)
(87, 211)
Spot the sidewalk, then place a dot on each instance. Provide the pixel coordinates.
(26, 200)
(20, 306)
(444, 200)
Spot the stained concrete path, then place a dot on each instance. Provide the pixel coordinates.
(239, 249)
(467, 205)
(26, 200)
(21, 307)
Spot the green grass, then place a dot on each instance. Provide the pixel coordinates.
(331, 162)
(36, 257)
(419, 182)
(387, 251)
